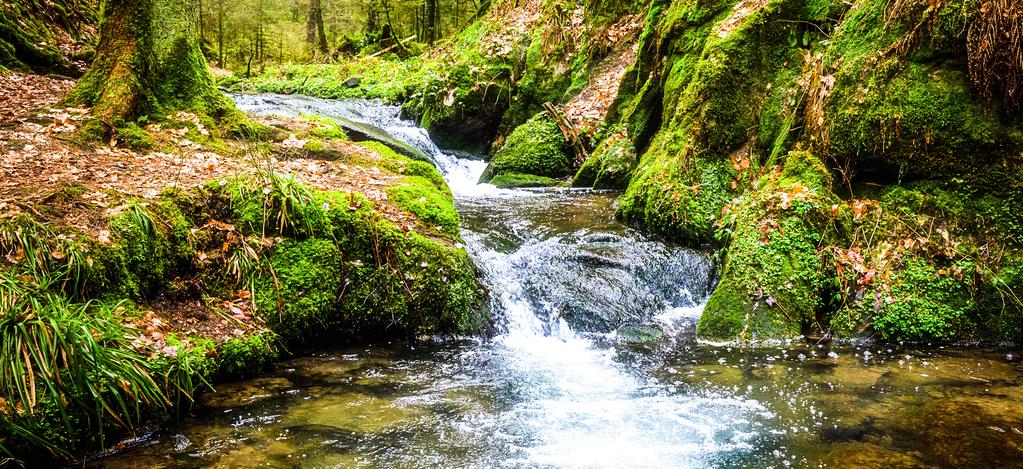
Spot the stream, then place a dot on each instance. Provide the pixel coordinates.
(594, 363)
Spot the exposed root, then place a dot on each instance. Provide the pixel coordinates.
(995, 48)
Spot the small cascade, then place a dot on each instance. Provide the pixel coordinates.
(564, 278)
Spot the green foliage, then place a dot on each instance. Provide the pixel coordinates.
(76, 360)
(247, 354)
(303, 290)
(274, 204)
(927, 305)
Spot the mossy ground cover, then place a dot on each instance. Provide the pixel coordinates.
(47, 36)
(210, 255)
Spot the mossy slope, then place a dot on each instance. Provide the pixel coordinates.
(881, 93)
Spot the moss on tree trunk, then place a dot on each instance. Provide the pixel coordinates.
(148, 62)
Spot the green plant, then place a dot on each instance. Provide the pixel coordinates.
(33, 246)
(76, 359)
(276, 204)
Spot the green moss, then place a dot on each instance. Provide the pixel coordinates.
(301, 294)
(774, 276)
(677, 198)
(419, 195)
(134, 137)
(246, 355)
(32, 32)
(926, 304)
(537, 147)
(237, 126)
(327, 128)
(919, 122)
(404, 282)
(710, 97)
(934, 274)
(137, 261)
(609, 167)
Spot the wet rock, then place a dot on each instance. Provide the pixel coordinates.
(870, 456)
(839, 433)
(970, 432)
(245, 392)
(639, 335)
(599, 285)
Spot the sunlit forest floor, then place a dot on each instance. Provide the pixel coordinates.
(51, 177)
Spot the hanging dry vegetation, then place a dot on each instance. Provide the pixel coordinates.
(996, 51)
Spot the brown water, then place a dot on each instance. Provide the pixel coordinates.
(455, 405)
(596, 365)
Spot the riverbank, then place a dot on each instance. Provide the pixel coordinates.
(203, 251)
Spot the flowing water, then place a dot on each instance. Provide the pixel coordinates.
(594, 365)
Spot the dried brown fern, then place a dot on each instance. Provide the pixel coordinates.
(995, 49)
(925, 14)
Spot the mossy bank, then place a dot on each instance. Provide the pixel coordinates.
(190, 285)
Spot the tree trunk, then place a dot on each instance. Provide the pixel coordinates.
(148, 61)
(310, 28)
(431, 21)
(314, 36)
(220, 34)
(319, 27)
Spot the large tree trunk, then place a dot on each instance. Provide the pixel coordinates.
(148, 62)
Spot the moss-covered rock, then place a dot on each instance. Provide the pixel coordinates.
(609, 167)
(900, 108)
(774, 276)
(518, 180)
(721, 68)
(536, 148)
(33, 33)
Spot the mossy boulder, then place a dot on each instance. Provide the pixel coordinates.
(518, 180)
(703, 109)
(536, 148)
(899, 108)
(774, 275)
(609, 167)
(303, 289)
